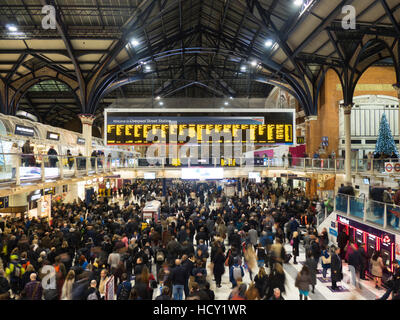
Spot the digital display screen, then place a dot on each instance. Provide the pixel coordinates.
(202, 173)
(24, 131)
(366, 181)
(256, 176)
(271, 128)
(149, 175)
(53, 136)
(80, 141)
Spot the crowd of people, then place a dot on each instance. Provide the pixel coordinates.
(201, 234)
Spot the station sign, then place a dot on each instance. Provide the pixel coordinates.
(269, 128)
(391, 167)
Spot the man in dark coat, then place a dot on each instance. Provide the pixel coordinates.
(52, 153)
(336, 268)
(342, 240)
(363, 261)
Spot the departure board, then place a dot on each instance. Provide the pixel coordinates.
(271, 128)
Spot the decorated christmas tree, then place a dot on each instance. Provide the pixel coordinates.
(385, 142)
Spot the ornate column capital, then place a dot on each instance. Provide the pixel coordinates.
(347, 107)
(87, 118)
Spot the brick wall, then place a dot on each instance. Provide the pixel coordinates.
(375, 81)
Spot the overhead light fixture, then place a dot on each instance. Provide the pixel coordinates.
(148, 68)
(226, 103)
(231, 97)
(253, 63)
(161, 103)
(158, 98)
(243, 68)
(269, 43)
(298, 2)
(12, 28)
(134, 42)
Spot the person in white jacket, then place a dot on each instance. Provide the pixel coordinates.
(14, 156)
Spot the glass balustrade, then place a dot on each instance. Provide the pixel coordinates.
(357, 207)
(341, 203)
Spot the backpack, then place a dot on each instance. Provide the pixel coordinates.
(92, 296)
(160, 257)
(124, 294)
(237, 273)
(17, 270)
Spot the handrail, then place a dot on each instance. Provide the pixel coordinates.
(384, 214)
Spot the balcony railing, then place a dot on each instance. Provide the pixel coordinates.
(386, 215)
(17, 168)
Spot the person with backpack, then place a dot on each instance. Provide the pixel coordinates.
(236, 273)
(124, 288)
(33, 290)
(14, 272)
(92, 292)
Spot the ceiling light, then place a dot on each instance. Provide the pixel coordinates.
(298, 2)
(226, 103)
(231, 97)
(243, 68)
(161, 103)
(158, 98)
(148, 68)
(269, 43)
(12, 28)
(134, 42)
(253, 63)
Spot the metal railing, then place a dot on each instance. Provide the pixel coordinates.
(386, 215)
(20, 168)
(15, 168)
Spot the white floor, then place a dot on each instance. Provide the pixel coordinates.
(322, 292)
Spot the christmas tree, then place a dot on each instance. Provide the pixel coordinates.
(385, 142)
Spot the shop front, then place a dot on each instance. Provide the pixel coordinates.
(375, 240)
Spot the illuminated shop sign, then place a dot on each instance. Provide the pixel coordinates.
(344, 220)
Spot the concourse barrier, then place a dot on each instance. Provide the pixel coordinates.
(18, 168)
(386, 215)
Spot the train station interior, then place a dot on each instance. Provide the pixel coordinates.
(199, 150)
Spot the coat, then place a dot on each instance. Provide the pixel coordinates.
(219, 264)
(303, 281)
(336, 268)
(325, 254)
(296, 242)
(376, 267)
(312, 265)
